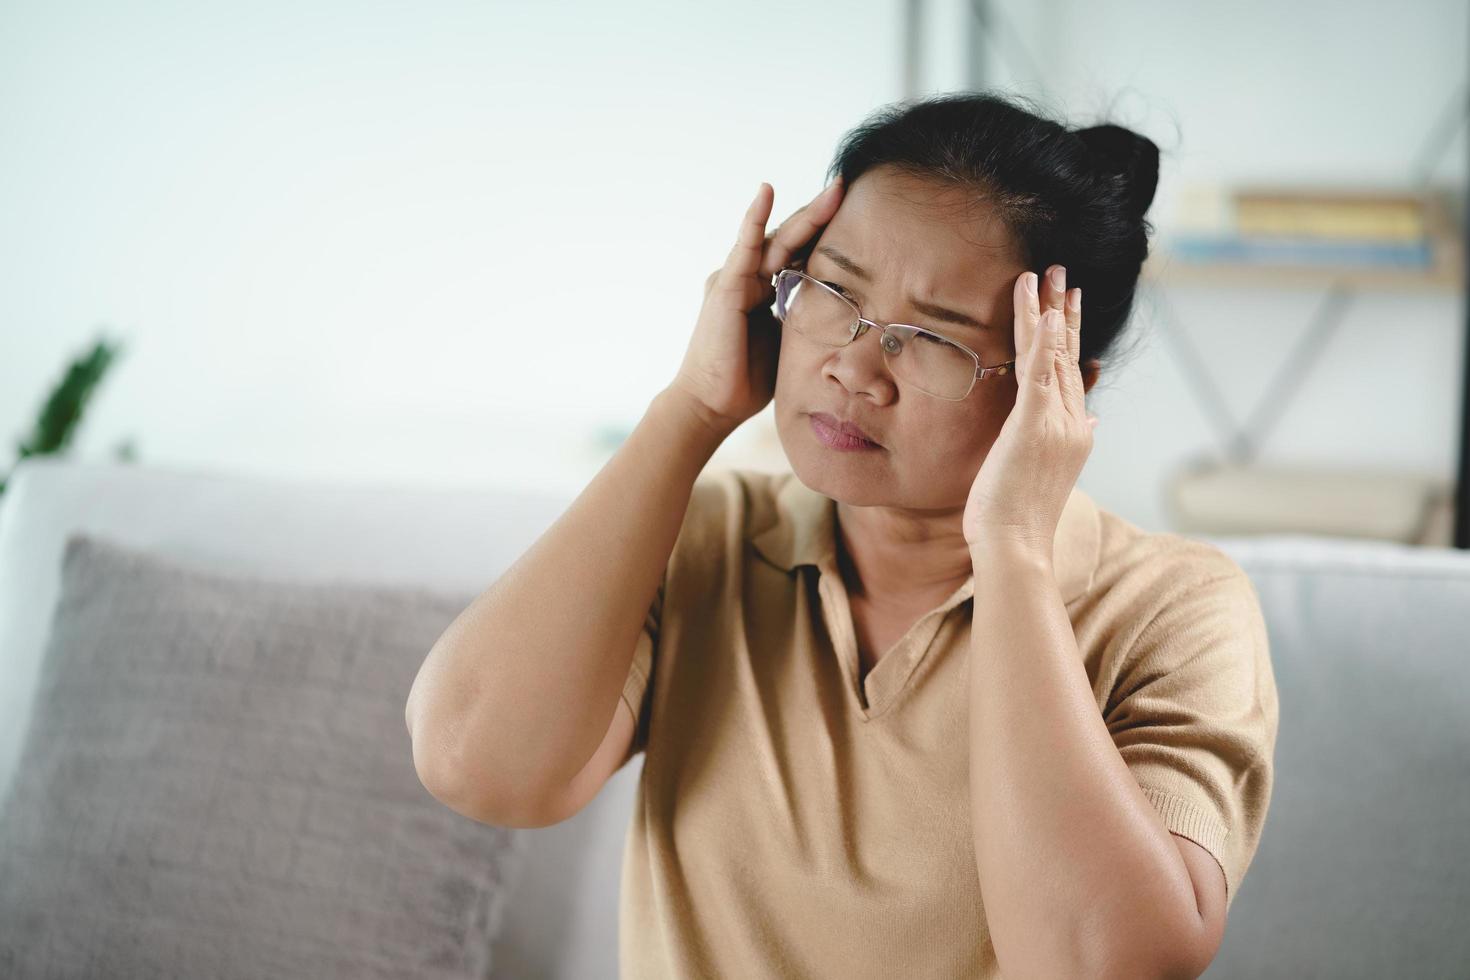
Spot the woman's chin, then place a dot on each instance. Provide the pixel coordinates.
(836, 474)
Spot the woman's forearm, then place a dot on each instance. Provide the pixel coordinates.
(1078, 873)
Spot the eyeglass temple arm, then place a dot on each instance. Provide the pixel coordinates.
(986, 372)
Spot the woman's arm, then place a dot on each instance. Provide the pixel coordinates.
(1079, 875)
(516, 695)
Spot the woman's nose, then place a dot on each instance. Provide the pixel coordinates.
(860, 365)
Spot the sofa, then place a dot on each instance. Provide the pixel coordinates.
(1363, 869)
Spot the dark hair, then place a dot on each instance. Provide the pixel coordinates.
(1074, 197)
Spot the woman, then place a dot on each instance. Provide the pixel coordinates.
(919, 707)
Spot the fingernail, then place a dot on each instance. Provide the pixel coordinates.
(1030, 278)
(1074, 301)
(1059, 277)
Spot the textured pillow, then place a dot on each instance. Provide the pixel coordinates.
(218, 782)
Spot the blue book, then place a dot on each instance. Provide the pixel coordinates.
(1303, 251)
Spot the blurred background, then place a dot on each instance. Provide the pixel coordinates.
(464, 244)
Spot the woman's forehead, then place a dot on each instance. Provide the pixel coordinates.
(933, 237)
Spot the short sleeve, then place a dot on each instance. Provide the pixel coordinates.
(694, 564)
(1194, 715)
(638, 687)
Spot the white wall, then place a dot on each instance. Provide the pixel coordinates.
(313, 226)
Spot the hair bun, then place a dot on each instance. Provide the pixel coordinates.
(1125, 159)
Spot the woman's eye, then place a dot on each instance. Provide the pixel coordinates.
(839, 289)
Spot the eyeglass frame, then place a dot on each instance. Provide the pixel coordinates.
(864, 324)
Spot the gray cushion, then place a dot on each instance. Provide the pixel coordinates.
(218, 781)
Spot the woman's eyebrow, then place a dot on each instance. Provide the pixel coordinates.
(928, 309)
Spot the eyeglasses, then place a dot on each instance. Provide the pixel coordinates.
(933, 364)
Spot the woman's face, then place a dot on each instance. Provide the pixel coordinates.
(917, 242)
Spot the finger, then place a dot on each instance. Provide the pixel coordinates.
(1028, 314)
(797, 232)
(1069, 379)
(1041, 360)
(799, 229)
(1053, 288)
(745, 255)
(1074, 324)
(1071, 340)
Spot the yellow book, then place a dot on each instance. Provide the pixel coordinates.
(1331, 215)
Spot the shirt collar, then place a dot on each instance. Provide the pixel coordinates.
(805, 522)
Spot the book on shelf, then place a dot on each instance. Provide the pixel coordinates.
(1370, 229)
(1304, 251)
(1366, 216)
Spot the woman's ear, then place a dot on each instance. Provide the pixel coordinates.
(1089, 369)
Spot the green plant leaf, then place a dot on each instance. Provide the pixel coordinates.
(62, 412)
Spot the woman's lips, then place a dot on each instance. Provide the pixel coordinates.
(828, 430)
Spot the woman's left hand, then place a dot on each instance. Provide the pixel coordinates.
(1023, 485)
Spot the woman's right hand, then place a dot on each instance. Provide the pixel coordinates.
(729, 370)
